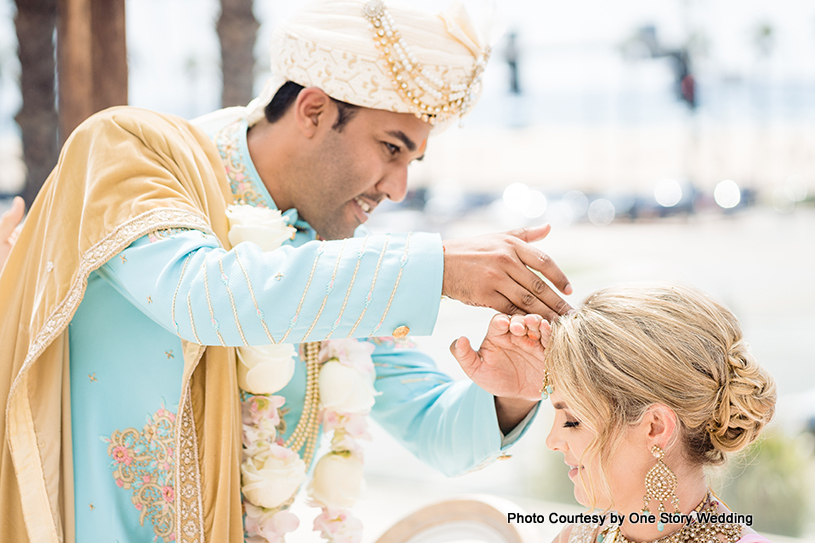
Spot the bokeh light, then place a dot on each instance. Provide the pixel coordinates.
(795, 188)
(601, 212)
(668, 192)
(727, 194)
(520, 198)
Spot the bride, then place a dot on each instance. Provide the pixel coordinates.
(650, 385)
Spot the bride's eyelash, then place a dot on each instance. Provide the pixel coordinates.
(571, 424)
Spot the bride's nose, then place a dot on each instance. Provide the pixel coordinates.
(554, 441)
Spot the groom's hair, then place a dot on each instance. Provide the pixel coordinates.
(287, 94)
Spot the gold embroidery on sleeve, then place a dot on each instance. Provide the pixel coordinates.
(350, 286)
(258, 311)
(403, 261)
(215, 324)
(192, 321)
(373, 284)
(329, 288)
(305, 291)
(175, 294)
(225, 281)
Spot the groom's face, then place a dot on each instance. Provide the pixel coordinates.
(356, 167)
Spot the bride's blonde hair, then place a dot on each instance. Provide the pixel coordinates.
(630, 347)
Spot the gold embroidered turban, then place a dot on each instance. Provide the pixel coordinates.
(380, 55)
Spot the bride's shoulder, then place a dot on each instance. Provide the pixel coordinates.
(577, 533)
(748, 535)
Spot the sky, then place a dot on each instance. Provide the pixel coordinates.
(566, 46)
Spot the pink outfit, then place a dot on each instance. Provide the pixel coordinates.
(753, 538)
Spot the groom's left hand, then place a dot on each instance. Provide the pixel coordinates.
(509, 364)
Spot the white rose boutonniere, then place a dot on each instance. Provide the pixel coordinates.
(272, 477)
(265, 369)
(265, 227)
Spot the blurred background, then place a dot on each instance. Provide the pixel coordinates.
(670, 140)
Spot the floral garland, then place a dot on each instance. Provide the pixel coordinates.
(271, 473)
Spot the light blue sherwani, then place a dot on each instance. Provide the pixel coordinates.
(126, 362)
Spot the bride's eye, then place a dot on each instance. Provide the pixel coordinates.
(571, 424)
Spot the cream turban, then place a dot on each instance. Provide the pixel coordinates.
(382, 56)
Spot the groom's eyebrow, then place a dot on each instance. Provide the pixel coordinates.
(409, 143)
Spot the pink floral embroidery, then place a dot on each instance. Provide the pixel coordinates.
(121, 455)
(143, 463)
(241, 184)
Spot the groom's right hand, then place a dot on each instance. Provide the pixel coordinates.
(491, 271)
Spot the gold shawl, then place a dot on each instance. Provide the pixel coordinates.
(122, 174)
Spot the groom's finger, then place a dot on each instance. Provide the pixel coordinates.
(463, 352)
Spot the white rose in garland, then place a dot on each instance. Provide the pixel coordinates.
(347, 377)
(265, 369)
(345, 390)
(271, 477)
(265, 227)
(337, 481)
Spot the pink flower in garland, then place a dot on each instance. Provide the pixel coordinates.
(259, 410)
(338, 526)
(350, 352)
(355, 425)
(268, 526)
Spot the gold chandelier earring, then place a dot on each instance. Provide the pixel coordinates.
(660, 485)
(546, 387)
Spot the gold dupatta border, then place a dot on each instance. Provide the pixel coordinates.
(189, 507)
(19, 419)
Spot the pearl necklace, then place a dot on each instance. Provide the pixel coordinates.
(308, 427)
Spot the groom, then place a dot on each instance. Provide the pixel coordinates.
(125, 295)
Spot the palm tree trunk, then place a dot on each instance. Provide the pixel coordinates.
(237, 32)
(38, 120)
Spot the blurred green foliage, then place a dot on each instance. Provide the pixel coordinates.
(773, 482)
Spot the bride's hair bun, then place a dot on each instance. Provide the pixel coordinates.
(745, 401)
(630, 347)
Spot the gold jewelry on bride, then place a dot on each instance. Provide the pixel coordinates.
(546, 387)
(660, 485)
(307, 431)
(693, 532)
